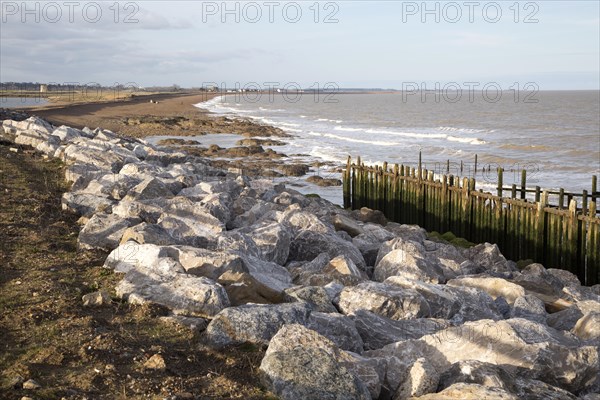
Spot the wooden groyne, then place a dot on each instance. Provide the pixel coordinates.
(564, 235)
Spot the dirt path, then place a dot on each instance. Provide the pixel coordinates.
(75, 352)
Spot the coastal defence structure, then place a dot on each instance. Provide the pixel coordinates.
(564, 235)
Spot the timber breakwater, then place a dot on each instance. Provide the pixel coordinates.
(347, 304)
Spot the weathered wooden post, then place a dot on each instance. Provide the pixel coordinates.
(523, 184)
(594, 187)
(500, 181)
(347, 184)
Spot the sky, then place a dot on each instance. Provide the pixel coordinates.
(369, 44)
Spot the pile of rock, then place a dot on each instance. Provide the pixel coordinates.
(348, 305)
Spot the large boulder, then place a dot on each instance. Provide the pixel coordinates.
(525, 348)
(489, 257)
(208, 263)
(529, 307)
(383, 299)
(405, 263)
(272, 241)
(469, 391)
(349, 225)
(493, 286)
(257, 281)
(301, 364)
(148, 189)
(377, 331)
(84, 204)
(254, 323)
(307, 245)
(315, 296)
(444, 303)
(164, 282)
(103, 232)
(148, 233)
(338, 328)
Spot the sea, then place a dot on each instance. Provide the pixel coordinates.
(554, 135)
(21, 102)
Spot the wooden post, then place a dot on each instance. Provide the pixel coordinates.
(592, 249)
(513, 191)
(475, 167)
(500, 181)
(594, 187)
(572, 241)
(523, 184)
(541, 232)
(537, 194)
(347, 184)
(561, 198)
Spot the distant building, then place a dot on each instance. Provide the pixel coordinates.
(43, 88)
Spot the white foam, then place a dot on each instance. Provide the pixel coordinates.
(341, 128)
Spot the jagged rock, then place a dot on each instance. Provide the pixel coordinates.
(412, 233)
(443, 301)
(301, 364)
(77, 170)
(272, 241)
(566, 278)
(85, 204)
(198, 230)
(377, 331)
(420, 378)
(521, 347)
(148, 210)
(307, 245)
(338, 328)
(493, 286)
(588, 327)
(218, 205)
(207, 263)
(367, 215)
(450, 260)
(258, 281)
(368, 371)
(488, 256)
(147, 233)
(148, 189)
(416, 249)
(405, 263)
(533, 389)
(103, 232)
(254, 323)
(469, 391)
(529, 307)
(315, 296)
(130, 255)
(476, 372)
(299, 221)
(66, 133)
(383, 299)
(344, 266)
(33, 138)
(165, 283)
(566, 319)
(343, 223)
(95, 299)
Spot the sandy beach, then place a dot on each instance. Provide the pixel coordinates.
(169, 114)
